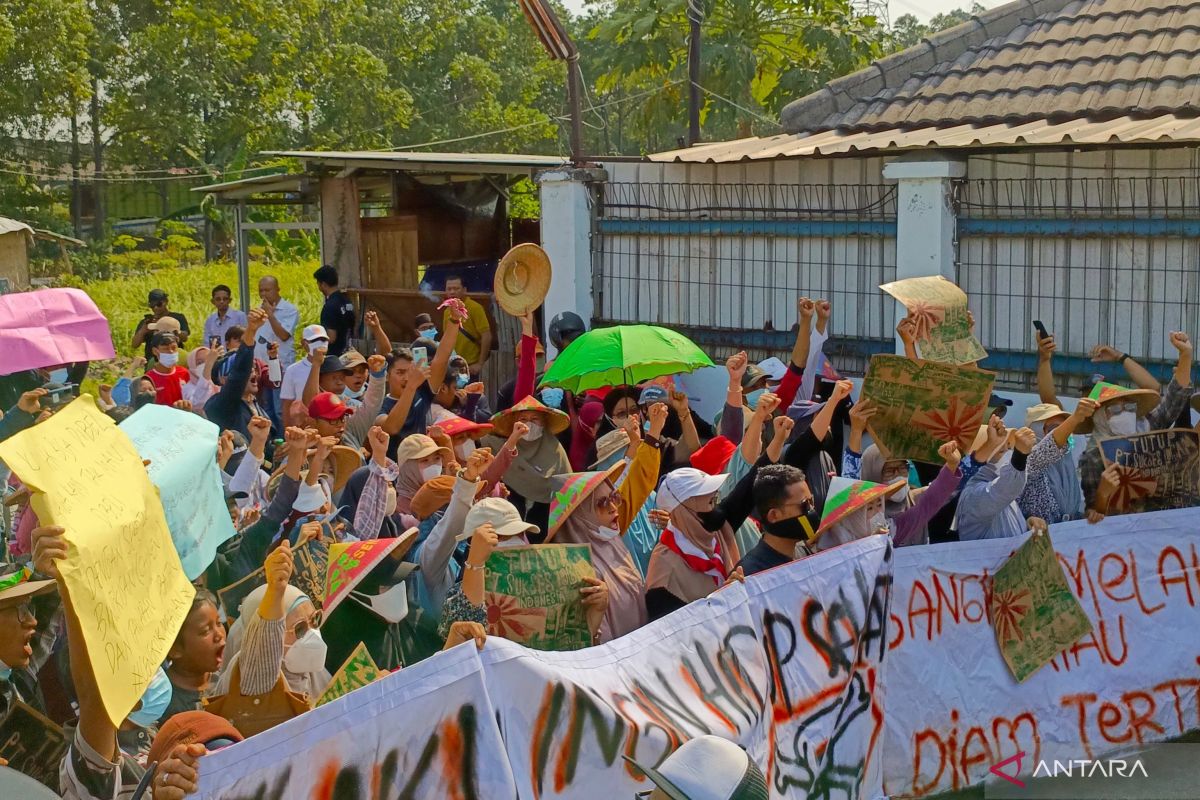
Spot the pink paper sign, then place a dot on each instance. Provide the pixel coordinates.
(50, 327)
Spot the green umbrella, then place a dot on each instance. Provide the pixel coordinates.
(622, 356)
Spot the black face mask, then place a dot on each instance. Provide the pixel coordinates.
(711, 520)
(799, 528)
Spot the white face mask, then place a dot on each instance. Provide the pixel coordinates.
(168, 359)
(307, 654)
(464, 450)
(901, 494)
(389, 503)
(431, 472)
(606, 534)
(535, 432)
(512, 541)
(390, 606)
(1123, 423)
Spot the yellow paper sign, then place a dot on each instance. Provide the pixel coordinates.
(122, 573)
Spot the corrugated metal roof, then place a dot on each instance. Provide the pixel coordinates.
(12, 226)
(279, 182)
(1127, 130)
(477, 163)
(1033, 60)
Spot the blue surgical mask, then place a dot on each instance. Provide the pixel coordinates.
(349, 394)
(155, 700)
(58, 375)
(553, 397)
(753, 398)
(1071, 442)
(428, 333)
(461, 380)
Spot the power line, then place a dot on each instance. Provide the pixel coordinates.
(749, 111)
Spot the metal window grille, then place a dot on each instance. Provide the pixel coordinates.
(727, 262)
(1098, 260)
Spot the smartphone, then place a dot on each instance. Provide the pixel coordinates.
(1041, 330)
(214, 342)
(62, 393)
(420, 356)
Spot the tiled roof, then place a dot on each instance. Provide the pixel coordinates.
(1031, 60)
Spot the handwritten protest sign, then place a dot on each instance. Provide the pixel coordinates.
(50, 327)
(1159, 470)
(122, 573)
(939, 309)
(32, 744)
(357, 672)
(924, 404)
(532, 595)
(1033, 612)
(182, 450)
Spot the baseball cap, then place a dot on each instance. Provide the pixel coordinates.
(714, 455)
(166, 324)
(753, 375)
(351, 359)
(328, 406)
(314, 332)
(418, 445)
(652, 394)
(333, 364)
(502, 515)
(1042, 412)
(155, 297)
(774, 369)
(707, 768)
(685, 483)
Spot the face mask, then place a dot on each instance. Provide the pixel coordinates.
(154, 701)
(461, 380)
(390, 606)
(168, 359)
(1123, 423)
(389, 504)
(350, 394)
(59, 375)
(464, 450)
(711, 520)
(753, 398)
(512, 541)
(535, 432)
(307, 654)
(606, 534)
(901, 494)
(431, 472)
(553, 397)
(800, 529)
(428, 333)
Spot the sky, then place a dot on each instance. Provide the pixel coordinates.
(923, 9)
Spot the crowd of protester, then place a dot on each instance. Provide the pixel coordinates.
(329, 438)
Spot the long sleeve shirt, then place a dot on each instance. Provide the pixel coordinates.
(226, 408)
(260, 658)
(250, 548)
(1038, 499)
(911, 523)
(526, 369)
(372, 505)
(434, 557)
(987, 507)
(363, 418)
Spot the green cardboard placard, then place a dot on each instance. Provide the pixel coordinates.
(357, 672)
(532, 595)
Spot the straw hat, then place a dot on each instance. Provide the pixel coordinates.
(342, 461)
(350, 562)
(1043, 412)
(847, 495)
(1105, 393)
(522, 279)
(571, 490)
(610, 443)
(556, 421)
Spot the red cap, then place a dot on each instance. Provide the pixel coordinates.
(328, 406)
(713, 457)
(455, 426)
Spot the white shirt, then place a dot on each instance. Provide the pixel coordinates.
(294, 380)
(288, 316)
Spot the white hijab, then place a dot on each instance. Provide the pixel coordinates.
(310, 683)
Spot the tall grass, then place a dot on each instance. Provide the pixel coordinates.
(123, 300)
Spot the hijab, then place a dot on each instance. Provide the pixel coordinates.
(1063, 480)
(310, 683)
(536, 463)
(614, 565)
(408, 483)
(872, 470)
(350, 499)
(698, 563)
(583, 438)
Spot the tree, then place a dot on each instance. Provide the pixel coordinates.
(908, 31)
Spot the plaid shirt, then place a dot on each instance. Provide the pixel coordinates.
(1091, 465)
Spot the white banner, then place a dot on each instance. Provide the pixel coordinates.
(838, 683)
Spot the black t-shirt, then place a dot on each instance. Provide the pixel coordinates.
(417, 419)
(338, 315)
(762, 557)
(183, 329)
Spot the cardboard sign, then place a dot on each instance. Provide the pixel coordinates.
(357, 672)
(939, 308)
(122, 571)
(1033, 612)
(532, 595)
(924, 404)
(308, 575)
(32, 744)
(1159, 470)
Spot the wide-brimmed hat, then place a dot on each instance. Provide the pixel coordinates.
(707, 768)
(571, 490)
(847, 495)
(341, 464)
(16, 584)
(1043, 412)
(556, 421)
(457, 426)
(522, 279)
(418, 445)
(433, 494)
(609, 443)
(502, 515)
(350, 562)
(1105, 393)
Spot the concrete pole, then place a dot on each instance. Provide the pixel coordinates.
(566, 197)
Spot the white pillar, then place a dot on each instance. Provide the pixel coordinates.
(567, 200)
(924, 218)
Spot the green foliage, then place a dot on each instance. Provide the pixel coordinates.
(908, 31)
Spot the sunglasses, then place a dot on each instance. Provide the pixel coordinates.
(305, 625)
(611, 500)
